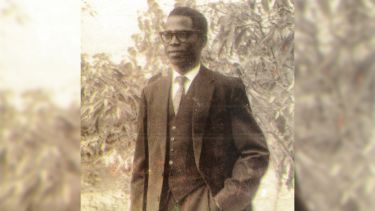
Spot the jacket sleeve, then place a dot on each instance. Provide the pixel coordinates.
(253, 155)
(138, 184)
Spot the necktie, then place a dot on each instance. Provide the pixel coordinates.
(180, 92)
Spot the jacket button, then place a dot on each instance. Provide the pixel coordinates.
(172, 139)
(173, 127)
(171, 162)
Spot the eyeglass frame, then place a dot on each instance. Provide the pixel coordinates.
(175, 34)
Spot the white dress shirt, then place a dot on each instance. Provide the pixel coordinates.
(190, 77)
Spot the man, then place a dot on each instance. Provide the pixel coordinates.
(198, 147)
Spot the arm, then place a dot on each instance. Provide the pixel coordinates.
(253, 153)
(140, 162)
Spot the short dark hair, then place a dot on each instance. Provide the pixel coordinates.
(199, 21)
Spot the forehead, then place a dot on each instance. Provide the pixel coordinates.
(178, 22)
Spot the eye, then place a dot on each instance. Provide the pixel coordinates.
(168, 35)
(184, 35)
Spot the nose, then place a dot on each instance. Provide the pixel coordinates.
(174, 40)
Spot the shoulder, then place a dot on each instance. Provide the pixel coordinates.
(224, 80)
(152, 82)
(154, 79)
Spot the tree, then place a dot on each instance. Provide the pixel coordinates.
(39, 153)
(335, 92)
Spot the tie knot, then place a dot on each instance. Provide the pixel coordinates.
(181, 80)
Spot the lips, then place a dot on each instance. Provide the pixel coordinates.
(176, 53)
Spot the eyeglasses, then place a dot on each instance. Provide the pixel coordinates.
(181, 36)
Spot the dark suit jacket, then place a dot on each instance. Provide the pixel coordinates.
(229, 148)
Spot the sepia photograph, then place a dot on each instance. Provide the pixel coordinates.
(40, 162)
(335, 105)
(187, 105)
(264, 105)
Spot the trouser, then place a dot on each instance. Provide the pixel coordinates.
(200, 199)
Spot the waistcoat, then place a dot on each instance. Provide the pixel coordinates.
(183, 175)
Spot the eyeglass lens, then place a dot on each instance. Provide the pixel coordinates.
(181, 36)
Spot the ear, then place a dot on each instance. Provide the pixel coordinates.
(203, 41)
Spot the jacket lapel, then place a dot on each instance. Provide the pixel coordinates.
(162, 92)
(204, 88)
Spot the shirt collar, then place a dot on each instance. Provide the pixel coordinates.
(191, 74)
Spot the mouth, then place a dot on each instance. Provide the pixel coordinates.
(176, 51)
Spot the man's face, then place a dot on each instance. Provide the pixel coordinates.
(183, 43)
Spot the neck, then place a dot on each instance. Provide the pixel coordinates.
(185, 68)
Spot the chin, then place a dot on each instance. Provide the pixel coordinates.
(179, 62)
